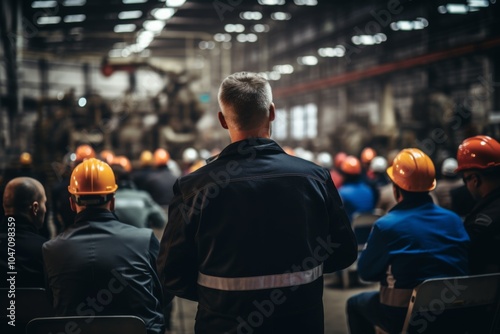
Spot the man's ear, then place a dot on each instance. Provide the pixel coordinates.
(72, 204)
(34, 208)
(222, 120)
(272, 113)
(112, 204)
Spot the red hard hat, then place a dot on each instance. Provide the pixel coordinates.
(478, 152)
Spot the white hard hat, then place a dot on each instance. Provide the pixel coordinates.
(378, 164)
(324, 159)
(448, 167)
(189, 155)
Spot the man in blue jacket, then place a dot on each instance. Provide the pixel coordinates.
(415, 241)
(250, 234)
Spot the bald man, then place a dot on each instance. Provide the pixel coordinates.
(24, 205)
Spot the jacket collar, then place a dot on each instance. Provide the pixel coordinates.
(413, 202)
(248, 147)
(95, 214)
(495, 194)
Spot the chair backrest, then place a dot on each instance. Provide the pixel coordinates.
(29, 303)
(362, 225)
(467, 304)
(113, 324)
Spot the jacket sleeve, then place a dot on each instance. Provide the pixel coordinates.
(177, 262)
(344, 248)
(374, 260)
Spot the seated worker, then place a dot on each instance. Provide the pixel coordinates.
(24, 206)
(98, 265)
(479, 163)
(416, 240)
(133, 206)
(357, 195)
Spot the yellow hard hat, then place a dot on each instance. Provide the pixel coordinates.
(412, 170)
(25, 159)
(147, 158)
(92, 177)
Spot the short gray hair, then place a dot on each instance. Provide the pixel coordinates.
(249, 97)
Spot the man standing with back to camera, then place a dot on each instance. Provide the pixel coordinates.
(251, 233)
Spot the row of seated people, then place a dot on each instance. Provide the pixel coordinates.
(430, 235)
(250, 235)
(418, 239)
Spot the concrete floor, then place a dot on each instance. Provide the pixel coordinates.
(334, 298)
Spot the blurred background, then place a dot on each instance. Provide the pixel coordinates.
(130, 75)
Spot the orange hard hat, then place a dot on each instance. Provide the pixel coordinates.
(351, 165)
(146, 158)
(84, 152)
(478, 152)
(107, 155)
(161, 157)
(123, 161)
(412, 170)
(25, 159)
(92, 177)
(367, 155)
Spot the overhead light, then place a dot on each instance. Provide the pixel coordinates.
(369, 39)
(204, 45)
(307, 60)
(281, 16)
(128, 2)
(271, 2)
(251, 38)
(163, 13)
(478, 3)
(74, 18)
(305, 2)
(283, 69)
(222, 37)
(155, 26)
(74, 3)
(174, 3)
(130, 14)
(43, 4)
(338, 51)
(251, 15)
(124, 28)
(260, 28)
(452, 8)
(417, 24)
(48, 20)
(234, 27)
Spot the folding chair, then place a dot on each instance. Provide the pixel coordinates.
(115, 324)
(29, 303)
(458, 305)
